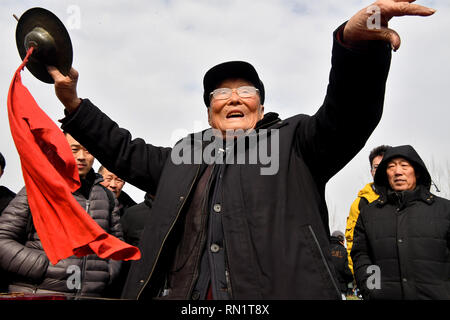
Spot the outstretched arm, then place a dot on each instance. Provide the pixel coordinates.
(355, 95)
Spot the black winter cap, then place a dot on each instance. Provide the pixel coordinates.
(231, 69)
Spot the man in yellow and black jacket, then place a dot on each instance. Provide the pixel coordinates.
(366, 195)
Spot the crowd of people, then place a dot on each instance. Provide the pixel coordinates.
(24, 265)
(215, 229)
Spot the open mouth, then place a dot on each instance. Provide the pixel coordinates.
(235, 114)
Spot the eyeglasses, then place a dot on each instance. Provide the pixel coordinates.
(225, 93)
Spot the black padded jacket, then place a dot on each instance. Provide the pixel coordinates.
(402, 239)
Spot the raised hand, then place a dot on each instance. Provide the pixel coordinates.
(371, 23)
(66, 87)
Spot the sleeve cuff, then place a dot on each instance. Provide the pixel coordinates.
(70, 115)
(339, 37)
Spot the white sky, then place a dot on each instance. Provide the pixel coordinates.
(143, 62)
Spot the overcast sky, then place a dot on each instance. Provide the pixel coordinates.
(143, 62)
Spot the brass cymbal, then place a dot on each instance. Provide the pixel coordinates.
(41, 29)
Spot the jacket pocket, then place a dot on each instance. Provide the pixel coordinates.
(319, 256)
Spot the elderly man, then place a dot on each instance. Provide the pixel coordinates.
(115, 184)
(401, 240)
(225, 230)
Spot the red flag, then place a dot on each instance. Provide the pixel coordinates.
(51, 175)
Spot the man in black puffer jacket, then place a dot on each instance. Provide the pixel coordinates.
(22, 254)
(401, 240)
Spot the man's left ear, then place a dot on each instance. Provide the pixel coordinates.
(261, 111)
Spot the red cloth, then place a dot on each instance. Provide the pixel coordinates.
(51, 175)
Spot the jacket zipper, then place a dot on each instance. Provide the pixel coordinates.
(228, 279)
(167, 234)
(333, 281)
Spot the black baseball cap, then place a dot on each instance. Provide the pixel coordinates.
(231, 69)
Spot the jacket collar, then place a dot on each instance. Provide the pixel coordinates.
(268, 120)
(88, 182)
(403, 199)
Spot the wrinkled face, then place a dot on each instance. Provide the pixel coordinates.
(235, 112)
(83, 158)
(401, 174)
(112, 182)
(375, 163)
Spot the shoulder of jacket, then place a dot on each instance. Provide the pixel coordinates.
(297, 119)
(6, 191)
(354, 208)
(368, 193)
(22, 192)
(432, 198)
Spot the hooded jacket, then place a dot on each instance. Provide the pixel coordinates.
(401, 240)
(22, 254)
(365, 195)
(275, 226)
